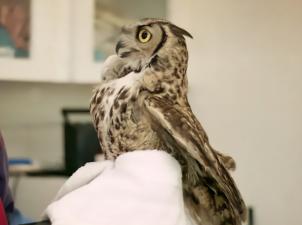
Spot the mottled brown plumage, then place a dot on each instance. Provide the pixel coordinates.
(142, 104)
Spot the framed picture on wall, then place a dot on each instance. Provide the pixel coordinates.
(96, 27)
(34, 40)
(14, 29)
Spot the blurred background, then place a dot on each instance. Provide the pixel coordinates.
(245, 86)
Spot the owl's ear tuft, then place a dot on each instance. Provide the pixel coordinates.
(179, 32)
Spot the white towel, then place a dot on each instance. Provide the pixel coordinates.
(138, 188)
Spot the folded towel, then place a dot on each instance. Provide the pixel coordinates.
(141, 187)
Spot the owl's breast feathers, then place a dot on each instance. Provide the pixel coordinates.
(117, 117)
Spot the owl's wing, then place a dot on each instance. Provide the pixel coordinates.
(177, 127)
(227, 160)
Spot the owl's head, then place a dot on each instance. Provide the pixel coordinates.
(141, 41)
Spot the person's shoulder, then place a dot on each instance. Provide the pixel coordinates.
(2, 145)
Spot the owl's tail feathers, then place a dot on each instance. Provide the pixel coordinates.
(209, 208)
(227, 161)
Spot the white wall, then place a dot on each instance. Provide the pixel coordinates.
(246, 87)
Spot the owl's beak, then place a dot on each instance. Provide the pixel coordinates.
(118, 46)
(122, 54)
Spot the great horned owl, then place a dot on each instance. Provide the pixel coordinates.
(142, 103)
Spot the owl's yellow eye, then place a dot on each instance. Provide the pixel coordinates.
(144, 36)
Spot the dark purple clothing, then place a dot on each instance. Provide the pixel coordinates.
(5, 193)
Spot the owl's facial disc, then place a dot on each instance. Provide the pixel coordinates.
(138, 43)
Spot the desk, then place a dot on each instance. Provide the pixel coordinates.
(17, 171)
(39, 223)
